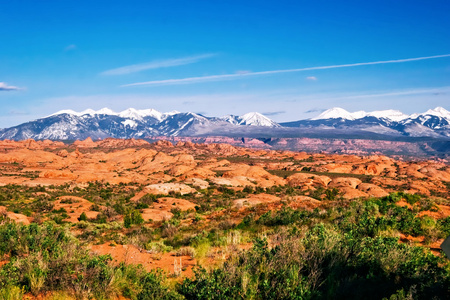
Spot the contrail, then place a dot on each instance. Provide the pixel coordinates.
(173, 62)
(234, 76)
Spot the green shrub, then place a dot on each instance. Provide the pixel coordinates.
(11, 292)
(325, 263)
(83, 217)
(148, 198)
(153, 289)
(46, 258)
(132, 217)
(141, 205)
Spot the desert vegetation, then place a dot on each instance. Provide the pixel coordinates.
(186, 221)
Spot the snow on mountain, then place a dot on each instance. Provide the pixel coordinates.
(438, 112)
(231, 119)
(89, 111)
(152, 113)
(177, 123)
(418, 130)
(64, 111)
(358, 114)
(250, 119)
(129, 113)
(130, 123)
(256, 119)
(340, 113)
(169, 114)
(393, 115)
(134, 123)
(136, 114)
(103, 111)
(335, 113)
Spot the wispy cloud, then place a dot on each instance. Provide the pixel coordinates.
(243, 72)
(5, 87)
(315, 110)
(274, 113)
(18, 113)
(173, 62)
(191, 80)
(70, 47)
(311, 78)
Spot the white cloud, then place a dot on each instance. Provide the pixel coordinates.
(5, 87)
(173, 62)
(191, 80)
(312, 78)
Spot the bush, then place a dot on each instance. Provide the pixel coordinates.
(168, 230)
(153, 289)
(186, 251)
(83, 217)
(11, 292)
(47, 258)
(324, 264)
(132, 217)
(148, 199)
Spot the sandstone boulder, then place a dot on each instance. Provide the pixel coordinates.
(308, 180)
(345, 182)
(197, 182)
(166, 188)
(372, 190)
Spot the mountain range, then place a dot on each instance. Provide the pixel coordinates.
(148, 123)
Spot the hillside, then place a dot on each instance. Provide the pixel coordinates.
(216, 219)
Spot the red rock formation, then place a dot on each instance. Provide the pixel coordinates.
(87, 143)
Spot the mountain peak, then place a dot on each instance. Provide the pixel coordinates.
(138, 114)
(91, 112)
(439, 112)
(340, 113)
(64, 111)
(335, 113)
(256, 119)
(105, 111)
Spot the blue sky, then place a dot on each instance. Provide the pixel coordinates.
(217, 57)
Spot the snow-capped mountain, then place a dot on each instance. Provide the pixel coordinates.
(340, 113)
(130, 123)
(135, 114)
(256, 119)
(251, 119)
(146, 123)
(432, 123)
(178, 123)
(437, 112)
(89, 111)
(336, 113)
